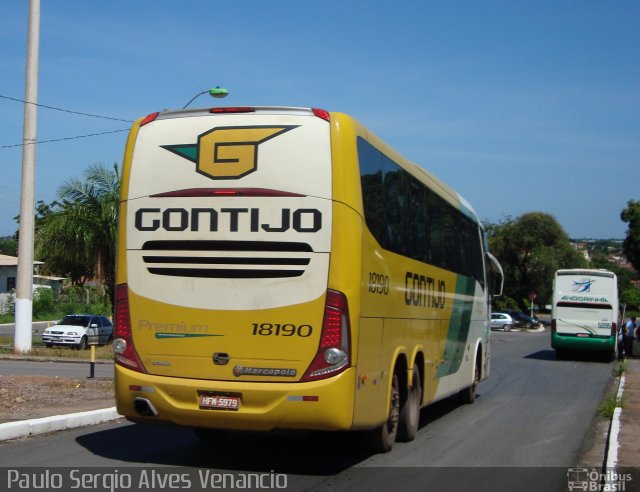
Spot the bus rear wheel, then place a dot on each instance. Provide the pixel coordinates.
(409, 418)
(468, 395)
(381, 440)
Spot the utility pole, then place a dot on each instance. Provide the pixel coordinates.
(24, 284)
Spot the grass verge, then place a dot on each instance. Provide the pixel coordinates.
(609, 404)
(103, 352)
(620, 369)
(612, 401)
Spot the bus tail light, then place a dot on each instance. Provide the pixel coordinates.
(322, 113)
(149, 118)
(614, 329)
(333, 354)
(124, 351)
(234, 110)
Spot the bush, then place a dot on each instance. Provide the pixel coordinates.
(505, 302)
(631, 297)
(72, 300)
(620, 369)
(43, 302)
(609, 404)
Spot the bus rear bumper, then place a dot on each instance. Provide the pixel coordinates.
(590, 344)
(319, 405)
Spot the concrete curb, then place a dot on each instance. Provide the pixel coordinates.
(26, 428)
(611, 460)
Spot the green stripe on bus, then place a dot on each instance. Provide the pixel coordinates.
(459, 326)
(162, 335)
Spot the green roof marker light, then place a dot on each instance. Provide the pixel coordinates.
(217, 92)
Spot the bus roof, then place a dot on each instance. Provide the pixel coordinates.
(419, 172)
(583, 271)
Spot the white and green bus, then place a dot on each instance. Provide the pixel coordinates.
(584, 311)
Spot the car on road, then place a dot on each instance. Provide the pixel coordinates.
(79, 331)
(501, 321)
(522, 320)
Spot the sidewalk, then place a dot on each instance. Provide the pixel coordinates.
(628, 450)
(42, 419)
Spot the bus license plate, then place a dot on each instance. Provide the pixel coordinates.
(219, 401)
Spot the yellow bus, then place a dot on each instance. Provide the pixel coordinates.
(283, 268)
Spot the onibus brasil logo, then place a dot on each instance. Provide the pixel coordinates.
(594, 480)
(582, 285)
(229, 152)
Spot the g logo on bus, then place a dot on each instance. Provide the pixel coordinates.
(229, 152)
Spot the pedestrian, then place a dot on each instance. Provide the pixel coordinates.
(620, 338)
(630, 332)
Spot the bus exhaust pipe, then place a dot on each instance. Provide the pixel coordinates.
(144, 407)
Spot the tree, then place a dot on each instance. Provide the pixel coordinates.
(9, 246)
(530, 249)
(631, 297)
(631, 244)
(77, 237)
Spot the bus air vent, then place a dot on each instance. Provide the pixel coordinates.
(226, 259)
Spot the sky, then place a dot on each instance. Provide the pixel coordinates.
(520, 106)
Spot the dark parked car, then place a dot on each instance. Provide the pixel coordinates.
(521, 319)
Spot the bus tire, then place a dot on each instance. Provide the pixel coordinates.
(468, 395)
(409, 417)
(381, 439)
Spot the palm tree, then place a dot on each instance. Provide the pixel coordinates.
(78, 238)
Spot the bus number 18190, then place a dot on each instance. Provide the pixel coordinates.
(378, 283)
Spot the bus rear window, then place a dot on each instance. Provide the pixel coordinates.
(584, 305)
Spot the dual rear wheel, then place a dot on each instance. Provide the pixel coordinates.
(403, 417)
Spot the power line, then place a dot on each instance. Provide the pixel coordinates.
(65, 110)
(63, 139)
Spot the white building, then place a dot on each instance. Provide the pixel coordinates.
(9, 273)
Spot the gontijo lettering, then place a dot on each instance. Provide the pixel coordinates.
(420, 290)
(226, 219)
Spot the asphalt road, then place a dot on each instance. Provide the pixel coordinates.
(78, 369)
(524, 431)
(9, 329)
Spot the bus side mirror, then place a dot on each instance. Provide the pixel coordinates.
(496, 275)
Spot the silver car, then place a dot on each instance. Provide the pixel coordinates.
(501, 321)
